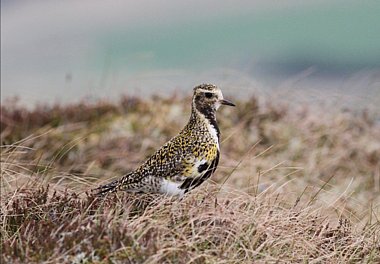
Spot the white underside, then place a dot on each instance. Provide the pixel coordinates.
(213, 133)
(171, 188)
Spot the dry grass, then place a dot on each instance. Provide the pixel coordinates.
(294, 185)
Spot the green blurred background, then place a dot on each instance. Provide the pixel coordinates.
(62, 51)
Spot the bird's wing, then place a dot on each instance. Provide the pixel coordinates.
(165, 163)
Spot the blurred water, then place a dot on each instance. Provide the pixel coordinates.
(299, 50)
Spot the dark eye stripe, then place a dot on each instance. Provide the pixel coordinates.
(208, 95)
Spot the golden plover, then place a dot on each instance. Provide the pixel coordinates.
(188, 159)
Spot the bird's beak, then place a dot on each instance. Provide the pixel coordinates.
(226, 102)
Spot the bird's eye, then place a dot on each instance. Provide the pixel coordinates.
(208, 95)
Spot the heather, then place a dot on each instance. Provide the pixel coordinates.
(294, 184)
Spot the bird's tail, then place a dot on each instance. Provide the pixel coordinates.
(122, 183)
(107, 188)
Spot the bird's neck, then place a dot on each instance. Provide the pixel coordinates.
(205, 118)
(203, 112)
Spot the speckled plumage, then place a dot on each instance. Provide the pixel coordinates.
(188, 159)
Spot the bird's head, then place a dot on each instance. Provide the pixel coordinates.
(208, 97)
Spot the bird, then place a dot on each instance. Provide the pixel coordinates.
(185, 161)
